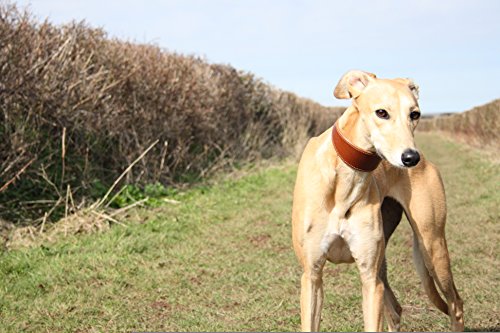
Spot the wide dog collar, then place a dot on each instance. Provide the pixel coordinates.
(355, 157)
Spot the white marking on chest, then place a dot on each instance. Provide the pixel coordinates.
(349, 190)
(331, 233)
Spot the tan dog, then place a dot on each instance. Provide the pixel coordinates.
(345, 215)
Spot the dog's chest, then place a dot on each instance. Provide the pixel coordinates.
(349, 188)
(338, 250)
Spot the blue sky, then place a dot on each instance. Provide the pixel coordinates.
(451, 48)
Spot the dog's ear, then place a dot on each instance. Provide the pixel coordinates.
(352, 84)
(411, 84)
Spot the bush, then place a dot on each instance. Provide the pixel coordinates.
(479, 126)
(77, 108)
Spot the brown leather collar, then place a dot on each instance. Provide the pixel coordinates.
(353, 156)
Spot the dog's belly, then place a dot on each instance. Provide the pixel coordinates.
(339, 252)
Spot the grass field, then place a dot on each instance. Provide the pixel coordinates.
(222, 260)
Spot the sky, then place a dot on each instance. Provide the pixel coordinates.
(451, 48)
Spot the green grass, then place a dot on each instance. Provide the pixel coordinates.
(222, 261)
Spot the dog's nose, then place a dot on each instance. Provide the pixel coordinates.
(410, 157)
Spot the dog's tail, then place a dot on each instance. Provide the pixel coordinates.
(427, 280)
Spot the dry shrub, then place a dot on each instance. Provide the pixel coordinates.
(76, 108)
(85, 221)
(479, 126)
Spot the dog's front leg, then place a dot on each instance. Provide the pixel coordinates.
(366, 242)
(311, 295)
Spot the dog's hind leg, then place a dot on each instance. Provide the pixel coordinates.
(427, 280)
(433, 261)
(392, 308)
(391, 216)
(426, 212)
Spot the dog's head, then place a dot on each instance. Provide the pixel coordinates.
(389, 110)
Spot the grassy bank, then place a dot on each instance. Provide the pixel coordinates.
(221, 260)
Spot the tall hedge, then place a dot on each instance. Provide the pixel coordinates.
(76, 108)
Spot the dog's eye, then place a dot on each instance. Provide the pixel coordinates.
(382, 114)
(414, 115)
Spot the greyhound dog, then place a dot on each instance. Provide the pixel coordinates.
(353, 184)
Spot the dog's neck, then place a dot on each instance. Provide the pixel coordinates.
(350, 184)
(354, 130)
